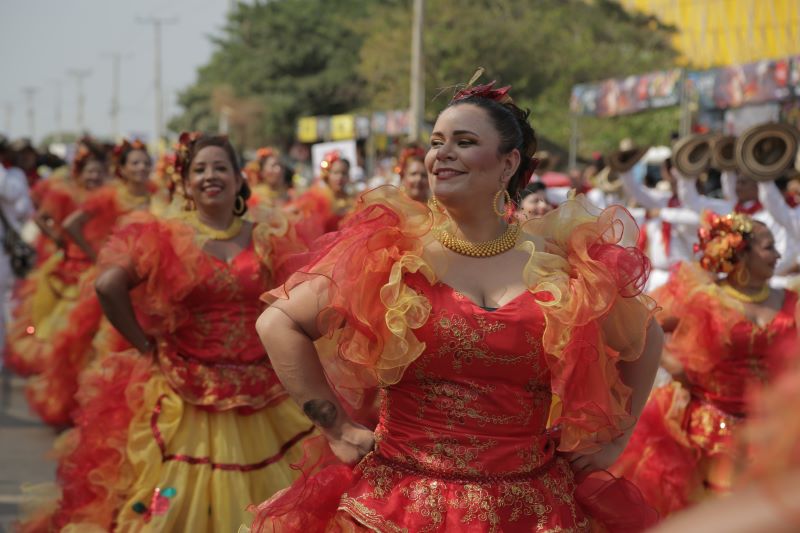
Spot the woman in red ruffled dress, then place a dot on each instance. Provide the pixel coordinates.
(51, 290)
(325, 204)
(413, 176)
(270, 180)
(173, 435)
(730, 335)
(511, 361)
(765, 497)
(51, 394)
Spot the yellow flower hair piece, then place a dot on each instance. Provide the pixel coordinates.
(721, 239)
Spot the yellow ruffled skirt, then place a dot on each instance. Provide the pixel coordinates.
(197, 470)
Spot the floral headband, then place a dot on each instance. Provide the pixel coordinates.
(82, 156)
(412, 152)
(329, 159)
(124, 147)
(263, 153)
(183, 148)
(721, 239)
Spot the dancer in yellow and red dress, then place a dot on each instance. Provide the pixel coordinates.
(470, 325)
(270, 179)
(51, 290)
(323, 206)
(175, 434)
(51, 394)
(730, 336)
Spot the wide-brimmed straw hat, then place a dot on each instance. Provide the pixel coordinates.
(626, 156)
(765, 152)
(723, 152)
(691, 155)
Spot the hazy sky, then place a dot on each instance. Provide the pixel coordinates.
(40, 40)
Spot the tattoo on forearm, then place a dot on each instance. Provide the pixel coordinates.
(321, 412)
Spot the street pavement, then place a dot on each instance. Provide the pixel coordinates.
(24, 446)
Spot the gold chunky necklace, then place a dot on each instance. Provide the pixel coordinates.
(757, 298)
(215, 234)
(497, 246)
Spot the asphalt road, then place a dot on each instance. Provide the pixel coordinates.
(24, 445)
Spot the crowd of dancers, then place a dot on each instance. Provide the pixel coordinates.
(469, 347)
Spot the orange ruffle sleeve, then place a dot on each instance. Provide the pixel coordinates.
(373, 339)
(588, 277)
(706, 317)
(164, 254)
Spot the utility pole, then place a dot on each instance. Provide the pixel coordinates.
(417, 99)
(9, 112)
(80, 75)
(116, 64)
(58, 119)
(30, 94)
(158, 23)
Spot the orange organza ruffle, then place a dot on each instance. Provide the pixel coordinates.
(163, 253)
(104, 208)
(93, 472)
(381, 240)
(51, 394)
(588, 277)
(707, 316)
(167, 254)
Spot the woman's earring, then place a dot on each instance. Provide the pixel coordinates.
(495, 201)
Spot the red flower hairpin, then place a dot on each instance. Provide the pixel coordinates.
(182, 148)
(487, 91)
(329, 159)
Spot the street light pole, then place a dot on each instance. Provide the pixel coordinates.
(80, 75)
(417, 99)
(30, 94)
(158, 23)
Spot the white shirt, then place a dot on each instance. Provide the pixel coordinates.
(15, 198)
(687, 192)
(683, 221)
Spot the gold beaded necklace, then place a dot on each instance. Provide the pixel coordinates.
(497, 246)
(757, 298)
(214, 234)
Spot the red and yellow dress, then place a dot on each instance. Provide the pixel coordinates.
(318, 211)
(468, 435)
(684, 447)
(177, 441)
(50, 289)
(51, 393)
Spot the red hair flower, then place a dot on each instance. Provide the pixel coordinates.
(487, 91)
(721, 239)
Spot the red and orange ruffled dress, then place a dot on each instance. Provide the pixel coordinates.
(463, 441)
(48, 291)
(178, 441)
(51, 393)
(684, 447)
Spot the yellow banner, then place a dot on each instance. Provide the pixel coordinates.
(343, 127)
(307, 129)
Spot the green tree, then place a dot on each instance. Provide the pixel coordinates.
(542, 48)
(289, 58)
(276, 61)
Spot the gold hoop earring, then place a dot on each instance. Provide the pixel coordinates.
(188, 204)
(742, 277)
(496, 198)
(240, 206)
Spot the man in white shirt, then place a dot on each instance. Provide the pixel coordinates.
(15, 202)
(668, 230)
(741, 195)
